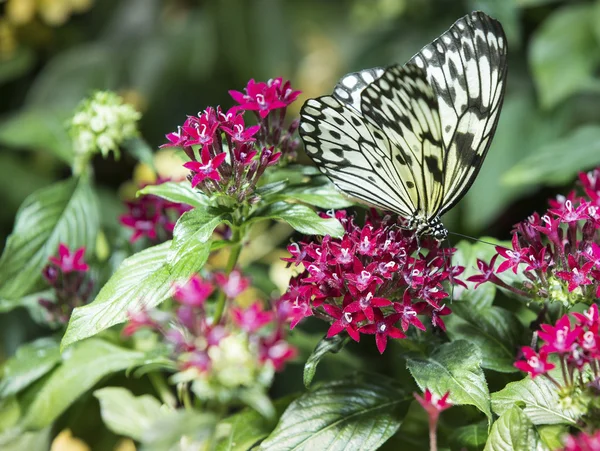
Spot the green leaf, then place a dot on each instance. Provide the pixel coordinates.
(472, 436)
(552, 435)
(513, 432)
(38, 129)
(17, 440)
(319, 192)
(454, 367)
(66, 212)
(10, 412)
(181, 426)
(244, 429)
(540, 398)
(181, 192)
(334, 345)
(19, 62)
(494, 330)
(30, 362)
(301, 218)
(140, 150)
(128, 415)
(193, 229)
(341, 415)
(82, 367)
(559, 162)
(142, 280)
(564, 54)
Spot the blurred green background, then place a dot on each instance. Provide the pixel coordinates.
(175, 57)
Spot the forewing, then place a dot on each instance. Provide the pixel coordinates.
(403, 104)
(466, 67)
(349, 88)
(356, 156)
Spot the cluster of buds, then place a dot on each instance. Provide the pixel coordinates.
(227, 156)
(558, 252)
(152, 217)
(243, 349)
(102, 123)
(67, 275)
(577, 351)
(368, 281)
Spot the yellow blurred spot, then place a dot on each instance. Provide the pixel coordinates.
(125, 444)
(102, 247)
(279, 274)
(135, 99)
(20, 12)
(54, 12)
(66, 442)
(170, 165)
(8, 42)
(142, 173)
(248, 297)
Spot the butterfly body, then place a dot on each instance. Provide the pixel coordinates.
(411, 139)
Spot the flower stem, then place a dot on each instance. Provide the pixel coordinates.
(236, 249)
(158, 382)
(432, 433)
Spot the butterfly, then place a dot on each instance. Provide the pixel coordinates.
(411, 139)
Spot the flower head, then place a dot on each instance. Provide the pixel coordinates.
(194, 292)
(68, 261)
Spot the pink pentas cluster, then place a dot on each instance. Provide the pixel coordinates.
(582, 441)
(152, 217)
(67, 274)
(369, 281)
(557, 252)
(575, 344)
(227, 155)
(191, 332)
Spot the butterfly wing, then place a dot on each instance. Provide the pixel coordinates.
(356, 155)
(466, 67)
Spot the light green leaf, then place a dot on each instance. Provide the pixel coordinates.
(513, 432)
(243, 429)
(540, 398)
(496, 331)
(38, 129)
(301, 218)
(66, 212)
(319, 192)
(472, 436)
(17, 440)
(327, 345)
(187, 427)
(558, 163)
(193, 229)
(128, 415)
(564, 54)
(30, 362)
(143, 280)
(341, 415)
(10, 412)
(181, 192)
(454, 367)
(552, 435)
(82, 367)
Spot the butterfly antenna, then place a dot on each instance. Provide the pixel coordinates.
(477, 239)
(449, 264)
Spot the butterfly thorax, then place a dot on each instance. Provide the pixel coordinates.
(432, 227)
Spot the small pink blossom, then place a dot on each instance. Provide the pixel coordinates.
(194, 292)
(207, 168)
(233, 284)
(69, 261)
(252, 318)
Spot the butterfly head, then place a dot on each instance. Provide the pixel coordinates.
(434, 228)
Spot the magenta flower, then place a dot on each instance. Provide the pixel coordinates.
(233, 284)
(432, 404)
(383, 327)
(513, 256)
(583, 441)
(559, 338)
(68, 261)
(362, 277)
(207, 168)
(239, 132)
(194, 292)
(578, 275)
(409, 314)
(568, 214)
(277, 351)
(535, 364)
(589, 318)
(138, 320)
(365, 301)
(344, 321)
(261, 97)
(252, 318)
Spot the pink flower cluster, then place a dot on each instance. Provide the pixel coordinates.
(191, 333)
(152, 217)
(232, 156)
(576, 346)
(369, 282)
(67, 274)
(560, 249)
(582, 442)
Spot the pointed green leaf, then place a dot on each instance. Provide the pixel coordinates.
(301, 218)
(128, 415)
(180, 192)
(513, 432)
(472, 436)
(334, 345)
(82, 367)
(454, 367)
(30, 362)
(319, 192)
(540, 398)
(193, 229)
(66, 212)
(341, 415)
(190, 427)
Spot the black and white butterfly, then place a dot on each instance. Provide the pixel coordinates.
(411, 139)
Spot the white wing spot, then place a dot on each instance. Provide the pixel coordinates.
(310, 110)
(350, 81)
(427, 53)
(308, 128)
